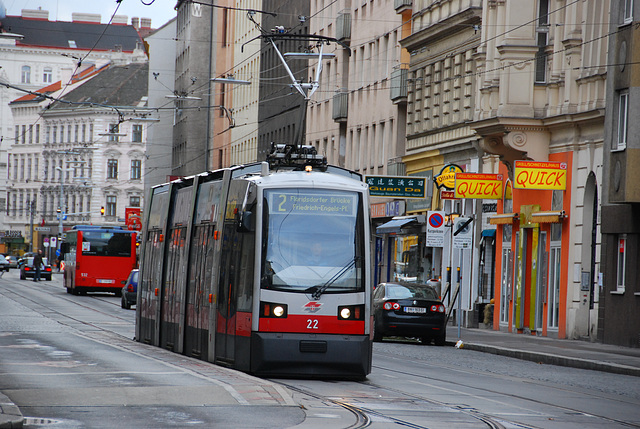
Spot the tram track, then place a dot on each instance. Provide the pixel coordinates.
(56, 287)
(365, 416)
(486, 390)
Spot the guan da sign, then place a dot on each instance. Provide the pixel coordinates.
(396, 186)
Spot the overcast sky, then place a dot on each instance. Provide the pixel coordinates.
(160, 11)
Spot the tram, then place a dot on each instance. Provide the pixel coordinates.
(264, 268)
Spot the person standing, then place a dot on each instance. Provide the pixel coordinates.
(37, 264)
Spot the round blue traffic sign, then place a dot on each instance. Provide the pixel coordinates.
(436, 220)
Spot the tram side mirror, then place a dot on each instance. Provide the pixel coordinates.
(246, 221)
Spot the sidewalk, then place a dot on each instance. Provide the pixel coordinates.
(571, 353)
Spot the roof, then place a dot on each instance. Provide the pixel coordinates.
(40, 94)
(71, 35)
(116, 86)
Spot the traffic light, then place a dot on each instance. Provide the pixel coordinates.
(102, 210)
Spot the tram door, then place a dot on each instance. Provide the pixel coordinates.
(226, 313)
(201, 272)
(151, 277)
(171, 302)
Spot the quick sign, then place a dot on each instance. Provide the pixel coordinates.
(435, 229)
(396, 186)
(540, 175)
(478, 186)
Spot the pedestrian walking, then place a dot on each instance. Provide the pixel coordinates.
(37, 265)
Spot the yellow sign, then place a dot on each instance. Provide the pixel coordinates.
(540, 175)
(447, 177)
(479, 186)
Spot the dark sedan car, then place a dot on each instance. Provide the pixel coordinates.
(409, 310)
(130, 290)
(27, 269)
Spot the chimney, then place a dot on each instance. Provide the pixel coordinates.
(35, 14)
(145, 22)
(135, 22)
(86, 17)
(120, 20)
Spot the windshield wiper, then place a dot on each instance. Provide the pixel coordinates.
(318, 290)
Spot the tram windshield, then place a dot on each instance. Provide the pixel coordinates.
(312, 239)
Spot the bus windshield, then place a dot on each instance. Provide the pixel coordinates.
(312, 239)
(99, 243)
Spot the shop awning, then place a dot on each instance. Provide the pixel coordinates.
(548, 217)
(395, 225)
(488, 232)
(502, 219)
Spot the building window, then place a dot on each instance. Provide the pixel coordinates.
(47, 75)
(627, 13)
(111, 206)
(26, 74)
(114, 129)
(37, 133)
(136, 169)
(542, 34)
(620, 142)
(137, 134)
(134, 201)
(621, 265)
(47, 134)
(84, 133)
(112, 169)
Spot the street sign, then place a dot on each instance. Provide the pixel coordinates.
(462, 233)
(435, 229)
(396, 186)
(45, 244)
(53, 241)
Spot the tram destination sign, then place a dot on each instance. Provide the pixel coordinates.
(341, 204)
(396, 186)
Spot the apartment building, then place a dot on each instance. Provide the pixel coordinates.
(84, 164)
(620, 288)
(541, 72)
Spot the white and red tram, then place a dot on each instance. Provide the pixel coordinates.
(263, 269)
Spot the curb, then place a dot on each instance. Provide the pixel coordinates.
(10, 415)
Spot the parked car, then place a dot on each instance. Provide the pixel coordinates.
(408, 310)
(130, 290)
(4, 265)
(23, 258)
(13, 261)
(27, 269)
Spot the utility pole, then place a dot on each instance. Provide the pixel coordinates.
(32, 205)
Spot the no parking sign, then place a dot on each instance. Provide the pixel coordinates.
(435, 229)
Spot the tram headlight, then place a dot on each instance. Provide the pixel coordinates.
(273, 310)
(278, 311)
(345, 313)
(351, 312)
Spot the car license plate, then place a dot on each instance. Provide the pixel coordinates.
(105, 281)
(415, 310)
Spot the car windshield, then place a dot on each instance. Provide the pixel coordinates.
(411, 291)
(312, 239)
(45, 261)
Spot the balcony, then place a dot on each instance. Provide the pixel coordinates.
(343, 26)
(402, 5)
(398, 90)
(341, 106)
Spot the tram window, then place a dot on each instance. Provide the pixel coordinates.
(312, 238)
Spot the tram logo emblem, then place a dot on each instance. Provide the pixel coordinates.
(312, 306)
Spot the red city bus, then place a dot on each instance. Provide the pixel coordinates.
(98, 259)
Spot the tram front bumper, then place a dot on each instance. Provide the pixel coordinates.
(304, 355)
